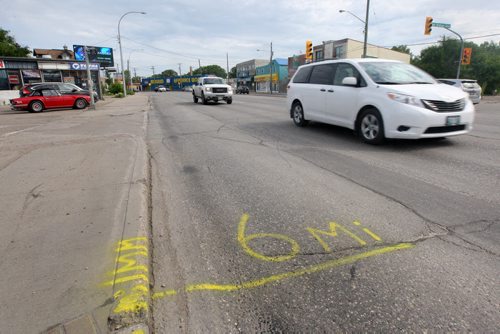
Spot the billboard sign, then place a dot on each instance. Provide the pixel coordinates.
(97, 54)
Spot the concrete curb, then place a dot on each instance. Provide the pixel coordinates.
(130, 312)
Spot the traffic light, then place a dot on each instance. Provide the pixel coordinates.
(466, 55)
(428, 25)
(309, 50)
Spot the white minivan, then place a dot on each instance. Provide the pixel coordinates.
(379, 99)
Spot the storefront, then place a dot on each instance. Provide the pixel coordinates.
(278, 80)
(16, 72)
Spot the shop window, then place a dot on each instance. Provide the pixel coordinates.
(31, 76)
(4, 81)
(51, 75)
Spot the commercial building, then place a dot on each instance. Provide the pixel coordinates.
(345, 48)
(350, 48)
(277, 72)
(245, 72)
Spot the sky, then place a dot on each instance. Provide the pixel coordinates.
(193, 32)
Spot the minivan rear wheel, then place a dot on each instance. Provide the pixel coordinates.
(371, 127)
(298, 115)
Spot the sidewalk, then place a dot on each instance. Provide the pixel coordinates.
(74, 219)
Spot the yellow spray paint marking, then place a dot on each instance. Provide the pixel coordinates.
(333, 233)
(134, 301)
(138, 331)
(291, 274)
(134, 295)
(244, 239)
(367, 231)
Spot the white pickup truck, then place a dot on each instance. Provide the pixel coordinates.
(212, 89)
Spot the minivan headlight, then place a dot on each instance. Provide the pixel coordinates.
(406, 99)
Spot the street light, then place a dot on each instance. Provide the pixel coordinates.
(365, 22)
(270, 69)
(121, 53)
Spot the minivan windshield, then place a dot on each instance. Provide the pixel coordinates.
(390, 73)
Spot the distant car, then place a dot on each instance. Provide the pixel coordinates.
(467, 85)
(242, 90)
(187, 88)
(47, 98)
(160, 89)
(63, 87)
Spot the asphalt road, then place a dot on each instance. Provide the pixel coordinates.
(260, 226)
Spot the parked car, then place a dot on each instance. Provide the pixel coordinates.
(161, 89)
(467, 85)
(242, 90)
(378, 99)
(48, 98)
(63, 87)
(187, 88)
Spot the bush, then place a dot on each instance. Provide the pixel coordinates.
(116, 88)
(119, 95)
(130, 92)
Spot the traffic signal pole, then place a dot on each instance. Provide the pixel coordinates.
(429, 23)
(461, 50)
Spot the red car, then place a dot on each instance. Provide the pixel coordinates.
(41, 99)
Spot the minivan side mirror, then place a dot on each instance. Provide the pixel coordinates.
(350, 81)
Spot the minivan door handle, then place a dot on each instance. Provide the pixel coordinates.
(330, 91)
(323, 90)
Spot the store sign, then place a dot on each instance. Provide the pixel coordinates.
(2, 64)
(97, 54)
(83, 67)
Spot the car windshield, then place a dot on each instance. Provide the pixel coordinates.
(390, 73)
(211, 81)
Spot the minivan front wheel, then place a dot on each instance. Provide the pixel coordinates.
(371, 127)
(298, 115)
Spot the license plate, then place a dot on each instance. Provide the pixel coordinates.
(452, 120)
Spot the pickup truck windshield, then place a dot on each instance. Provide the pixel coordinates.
(212, 81)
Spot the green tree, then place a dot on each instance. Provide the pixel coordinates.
(136, 79)
(127, 76)
(442, 62)
(169, 73)
(211, 70)
(403, 49)
(9, 47)
(232, 73)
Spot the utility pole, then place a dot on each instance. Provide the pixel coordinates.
(135, 72)
(199, 63)
(271, 71)
(89, 80)
(366, 28)
(180, 69)
(227, 65)
(153, 68)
